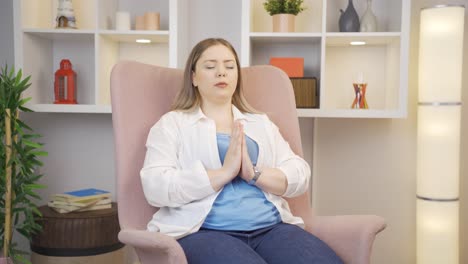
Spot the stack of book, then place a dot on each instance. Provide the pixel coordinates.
(80, 201)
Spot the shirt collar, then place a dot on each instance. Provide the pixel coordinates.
(198, 114)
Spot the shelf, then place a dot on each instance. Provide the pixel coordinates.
(349, 113)
(95, 47)
(61, 34)
(374, 38)
(275, 37)
(132, 35)
(329, 55)
(65, 108)
(302, 112)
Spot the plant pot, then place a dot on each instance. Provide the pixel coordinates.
(283, 23)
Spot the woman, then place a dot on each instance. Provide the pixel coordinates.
(219, 172)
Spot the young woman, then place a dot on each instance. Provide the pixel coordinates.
(219, 170)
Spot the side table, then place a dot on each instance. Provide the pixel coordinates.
(83, 237)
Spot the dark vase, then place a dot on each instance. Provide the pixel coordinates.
(349, 19)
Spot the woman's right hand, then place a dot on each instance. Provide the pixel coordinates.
(233, 159)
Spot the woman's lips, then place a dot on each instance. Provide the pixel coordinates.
(221, 84)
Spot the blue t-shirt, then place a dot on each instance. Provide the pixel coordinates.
(240, 206)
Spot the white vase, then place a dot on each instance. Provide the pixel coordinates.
(368, 20)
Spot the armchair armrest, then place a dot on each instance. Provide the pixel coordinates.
(153, 247)
(350, 236)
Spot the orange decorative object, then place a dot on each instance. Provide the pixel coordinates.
(294, 67)
(360, 101)
(65, 84)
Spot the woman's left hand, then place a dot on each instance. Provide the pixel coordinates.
(246, 171)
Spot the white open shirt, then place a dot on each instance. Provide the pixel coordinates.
(182, 146)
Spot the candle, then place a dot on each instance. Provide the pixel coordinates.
(122, 21)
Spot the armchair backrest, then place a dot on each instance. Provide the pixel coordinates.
(142, 93)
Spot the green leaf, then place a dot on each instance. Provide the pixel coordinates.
(24, 101)
(18, 76)
(32, 144)
(40, 153)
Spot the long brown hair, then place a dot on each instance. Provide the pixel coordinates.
(189, 97)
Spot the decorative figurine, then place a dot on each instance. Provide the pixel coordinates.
(65, 14)
(360, 101)
(360, 87)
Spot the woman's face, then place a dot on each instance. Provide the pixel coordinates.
(215, 75)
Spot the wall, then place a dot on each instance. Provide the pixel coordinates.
(369, 166)
(6, 31)
(363, 166)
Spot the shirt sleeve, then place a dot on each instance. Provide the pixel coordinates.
(296, 169)
(164, 182)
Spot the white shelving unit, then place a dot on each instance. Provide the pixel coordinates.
(96, 46)
(328, 55)
(93, 48)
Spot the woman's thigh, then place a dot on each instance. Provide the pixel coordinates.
(215, 247)
(291, 244)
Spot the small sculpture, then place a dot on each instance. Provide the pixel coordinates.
(65, 14)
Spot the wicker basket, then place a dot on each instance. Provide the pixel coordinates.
(77, 234)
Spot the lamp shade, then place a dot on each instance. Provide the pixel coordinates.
(438, 148)
(437, 232)
(438, 134)
(441, 54)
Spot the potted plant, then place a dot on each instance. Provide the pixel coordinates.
(19, 161)
(284, 13)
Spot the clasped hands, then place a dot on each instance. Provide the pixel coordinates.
(237, 160)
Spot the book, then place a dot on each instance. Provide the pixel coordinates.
(96, 207)
(63, 210)
(67, 207)
(81, 195)
(80, 204)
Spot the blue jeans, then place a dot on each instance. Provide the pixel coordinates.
(280, 243)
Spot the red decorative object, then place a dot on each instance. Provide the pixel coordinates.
(294, 67)
(65, 84)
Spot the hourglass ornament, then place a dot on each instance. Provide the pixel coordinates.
(360, 101)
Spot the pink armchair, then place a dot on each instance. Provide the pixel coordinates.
(141, 93)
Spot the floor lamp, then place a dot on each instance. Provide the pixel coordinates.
(438, 133)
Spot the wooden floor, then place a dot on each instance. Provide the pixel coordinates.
(124, 255)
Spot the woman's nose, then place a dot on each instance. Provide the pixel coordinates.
(221, 72)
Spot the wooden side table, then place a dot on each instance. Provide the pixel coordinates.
(85, 237)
